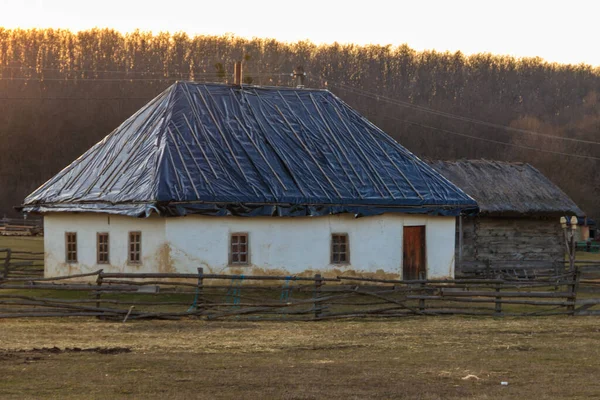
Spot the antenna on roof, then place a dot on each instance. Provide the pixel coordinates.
(237, 73)
(299, 74)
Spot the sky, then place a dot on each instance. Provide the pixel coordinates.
(564, 31)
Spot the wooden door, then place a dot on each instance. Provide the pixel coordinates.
(413, 250)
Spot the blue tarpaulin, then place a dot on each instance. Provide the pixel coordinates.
(217, 149)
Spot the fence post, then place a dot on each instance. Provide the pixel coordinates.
(573, 288)
(422, 301)
(317, 305)
(200, 289)
(99, 284)
(7, 262)
(498, 310)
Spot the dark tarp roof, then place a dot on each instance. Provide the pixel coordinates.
(508, 189)
(221, 150)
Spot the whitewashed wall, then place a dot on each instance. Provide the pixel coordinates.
(295, 245)
(154, 248)
(277, 245)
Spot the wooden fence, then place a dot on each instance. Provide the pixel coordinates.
(126, 296)
(520, 269)
(21, 264)
(588, 288)
(21, 227)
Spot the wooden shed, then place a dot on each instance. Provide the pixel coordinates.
(518, 221)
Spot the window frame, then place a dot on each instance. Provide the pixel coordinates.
(332, 250)
(98, 252)
(67, 251)
(233, 254)
(139, 249)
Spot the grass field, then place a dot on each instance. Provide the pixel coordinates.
(412, 358)
(22, 243)
(424, 358)
(585, 256)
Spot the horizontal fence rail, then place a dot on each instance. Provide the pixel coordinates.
(16, 263)
(130, 296)
(21, 227)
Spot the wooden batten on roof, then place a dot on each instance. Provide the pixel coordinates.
(210, 149)
(507, 189)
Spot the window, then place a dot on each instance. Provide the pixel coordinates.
(239, 249)
(340, 251)
(135, 247)
(102, 248)
(71, 247)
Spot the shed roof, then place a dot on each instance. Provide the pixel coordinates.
(504, 188)
(220, 150)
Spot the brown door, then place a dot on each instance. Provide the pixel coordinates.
(413, 250)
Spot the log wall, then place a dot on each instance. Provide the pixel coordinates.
(509, 239)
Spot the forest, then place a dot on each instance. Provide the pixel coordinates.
(61, 92)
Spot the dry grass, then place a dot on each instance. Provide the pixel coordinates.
(426, 358)
(585, 256)
(423, 358)
(22, 243)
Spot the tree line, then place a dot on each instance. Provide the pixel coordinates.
(61, 92)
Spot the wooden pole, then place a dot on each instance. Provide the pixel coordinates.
(317, 305)
(460, 241)
(128, 314)
(7, 262)
(498, 310)
(200, 292)
(142, 275)
(573, 288)
(422, 301)
(572, 252)
(99, 284)
(570, 243)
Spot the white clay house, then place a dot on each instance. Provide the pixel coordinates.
(249, 180)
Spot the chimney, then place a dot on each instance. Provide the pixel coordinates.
(237, 74)
(299, 74)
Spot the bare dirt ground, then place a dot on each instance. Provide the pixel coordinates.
(413, 358)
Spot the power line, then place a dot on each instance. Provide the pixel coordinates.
(221, 78)
(342, 86)
(176, 76)
(493, 141)
(76, 98)
(77, 70)
(377, 97)
(91, 79)
(124, 79)
(401, 103)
